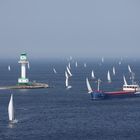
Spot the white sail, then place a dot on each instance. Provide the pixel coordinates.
(67, 83)
(9, 68)
(114, 72)
(129, 69)
(85, 65)
(66, 75)
(11, 109)
(120, 62)
(108, 77)
(124, 79)
(54, 70)
(76, 64)
(92, 75)
(69, 66)
(102, 60)
(68, 70)
(70, 57)
(88, 86)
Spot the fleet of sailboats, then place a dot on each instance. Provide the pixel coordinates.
(68, 74)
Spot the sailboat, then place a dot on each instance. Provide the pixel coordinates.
(11, 111)
(54, 70)
(76, 64)
(129, 69)
(69, 66)
(85, 65)
(67, 84)
(102, 60)
(94, 94)
(124, 79)
(9, 68)
(68, 70)
(92, 74)
(88, 86)
(70, 57)
(108, 77)
(66, 74)
(67, 81)
(120, 62)
(114, 72)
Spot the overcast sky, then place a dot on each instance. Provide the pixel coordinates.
(61, 28)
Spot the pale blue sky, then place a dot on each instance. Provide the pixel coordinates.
(61, 28)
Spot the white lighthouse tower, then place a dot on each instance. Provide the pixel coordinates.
(23, 61)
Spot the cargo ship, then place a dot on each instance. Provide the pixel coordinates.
(121, 94)
(114, 94)
(131, 90)
(127, 90)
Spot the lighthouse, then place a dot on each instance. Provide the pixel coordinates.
(23, 61)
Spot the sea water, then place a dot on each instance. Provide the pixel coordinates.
(56, 113)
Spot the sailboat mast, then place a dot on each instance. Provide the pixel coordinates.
(98, 88)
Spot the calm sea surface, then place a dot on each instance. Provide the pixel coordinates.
(59, 114)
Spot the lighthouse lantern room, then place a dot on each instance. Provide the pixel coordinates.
(23, 61)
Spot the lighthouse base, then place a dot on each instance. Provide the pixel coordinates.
(22, 81)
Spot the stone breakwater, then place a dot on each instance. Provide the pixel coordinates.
(29, 86)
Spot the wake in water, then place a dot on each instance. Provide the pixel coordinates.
(12, 123)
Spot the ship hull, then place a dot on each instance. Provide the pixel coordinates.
(97, 95)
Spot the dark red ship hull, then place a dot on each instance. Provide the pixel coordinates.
(113, 94)
(120, 94)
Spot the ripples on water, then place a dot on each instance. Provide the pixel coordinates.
(57, 113)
